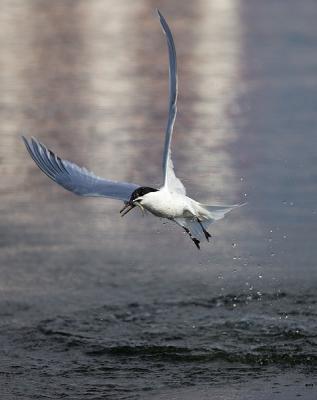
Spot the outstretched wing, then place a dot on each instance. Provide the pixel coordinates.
(170, 179)
(73, 178)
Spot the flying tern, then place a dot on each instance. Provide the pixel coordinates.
(169, 201)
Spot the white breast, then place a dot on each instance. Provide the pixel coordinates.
(167, 205)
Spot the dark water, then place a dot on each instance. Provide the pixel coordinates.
(93, 306)
(130, 350)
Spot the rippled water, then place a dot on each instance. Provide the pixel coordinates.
(124, 351)
(94, 306)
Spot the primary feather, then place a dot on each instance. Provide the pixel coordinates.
(74, 178)
(171, 181)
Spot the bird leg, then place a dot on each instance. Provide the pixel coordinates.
(196, 241)
(206, 233)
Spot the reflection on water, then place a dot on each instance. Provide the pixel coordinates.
(89, 79)
(217, 69)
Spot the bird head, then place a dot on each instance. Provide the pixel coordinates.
(136, 199)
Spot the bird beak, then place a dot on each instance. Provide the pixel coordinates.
(127, 207)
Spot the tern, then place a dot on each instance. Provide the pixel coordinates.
(169, 201)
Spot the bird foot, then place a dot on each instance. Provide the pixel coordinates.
(195, 240)
(206, 233)
(197, 243)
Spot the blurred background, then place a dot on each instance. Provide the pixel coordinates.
(94, 305)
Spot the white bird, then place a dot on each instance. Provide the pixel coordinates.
(169, 201)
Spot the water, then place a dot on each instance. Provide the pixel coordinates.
(127, 350)
(94, 306)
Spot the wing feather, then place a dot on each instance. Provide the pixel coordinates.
(73, 178)
(170, 180)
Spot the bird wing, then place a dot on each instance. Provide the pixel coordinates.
(170, 179)
(73, 178)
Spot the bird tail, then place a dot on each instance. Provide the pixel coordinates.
(211, 213)
(207, 215)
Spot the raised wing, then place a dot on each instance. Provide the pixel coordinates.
(170, 179)
(73, 178)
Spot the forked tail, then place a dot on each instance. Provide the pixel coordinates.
(197, 227)
(214, 213)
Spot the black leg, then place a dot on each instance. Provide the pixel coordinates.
(196, 241)
(206, 233)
